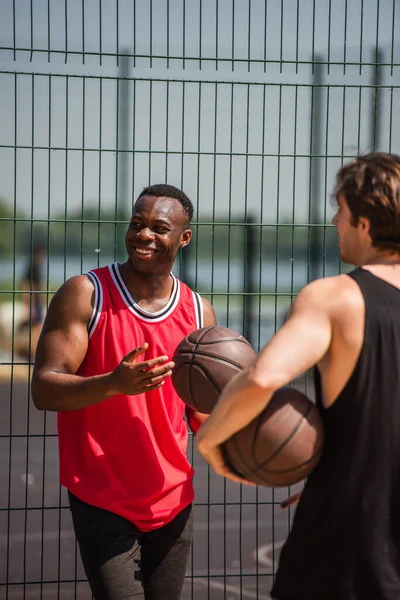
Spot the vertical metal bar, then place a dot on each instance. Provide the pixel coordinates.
(14, 32)
(100, 33)
(329, 34)
(100, 167)
(281, 40)
(390, 120)
(150, 125)
(377, 36)
(313, 38)
(297, 35)
(117, 28)
(323, 241)
(133, 146)
(47, 297)
(199, 126)
(83, 31)
(278, 180)
(134, 34)
(151, 32)
(376, 117)
(48, 30)
(293, 215)
(315, 171)
(249, 287)
(64, 276)
(83, 172)
(344, 120)
(166, 131)
(233, 36)
(167, 26)
(200, 32)
(393, 37)
(361, 33)
(216, 35)
(259, 312)
(10, 445)
(66, 29)
(345, 38)
(184, 33)
(32, 187)
(117, 170)
(249, 243)
(359, 122)
(31, 24)
(265, 36)
(122, 158)
(249, 39)
(185, 253)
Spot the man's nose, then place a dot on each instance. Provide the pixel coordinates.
(146, 234)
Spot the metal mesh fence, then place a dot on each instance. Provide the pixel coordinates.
(250, 107)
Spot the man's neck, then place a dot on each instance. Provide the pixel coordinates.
(384, 258)
(150, 291)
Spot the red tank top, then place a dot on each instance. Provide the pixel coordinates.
(127, 454)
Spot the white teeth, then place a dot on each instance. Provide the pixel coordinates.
(141, 251)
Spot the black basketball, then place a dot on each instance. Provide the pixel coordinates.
(282, 445)
(205, 361)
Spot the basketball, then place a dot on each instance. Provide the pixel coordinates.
(205, 361)
(282, 445)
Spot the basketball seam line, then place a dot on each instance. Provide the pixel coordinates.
(293, 433)
(227, 339)
(303, 464)
(191, 363)
(213, 356)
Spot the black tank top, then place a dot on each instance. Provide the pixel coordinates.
(345, 538)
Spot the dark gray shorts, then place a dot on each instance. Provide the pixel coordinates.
(123, 563)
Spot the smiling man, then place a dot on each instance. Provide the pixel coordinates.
(345, 540)
(103, 363)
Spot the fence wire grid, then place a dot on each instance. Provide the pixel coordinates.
(250, 107)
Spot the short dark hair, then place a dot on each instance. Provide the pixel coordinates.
(370, 185)
(161, 190)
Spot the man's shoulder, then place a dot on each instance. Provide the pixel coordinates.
(337, 292)
(76, 285)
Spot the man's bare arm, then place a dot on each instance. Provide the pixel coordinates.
(301, 343)
(62, 347)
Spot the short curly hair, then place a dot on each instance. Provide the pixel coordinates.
(370, 185)
(161, 190)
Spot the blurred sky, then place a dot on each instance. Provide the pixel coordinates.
(235, 135)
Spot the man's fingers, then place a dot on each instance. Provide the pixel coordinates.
(155, 380)
(291, 500)
(167, 368)
(149, 364)
(217, 462)
(130, 357)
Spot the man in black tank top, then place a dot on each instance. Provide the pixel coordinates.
(345, 539)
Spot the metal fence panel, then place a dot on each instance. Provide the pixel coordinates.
(250, 107)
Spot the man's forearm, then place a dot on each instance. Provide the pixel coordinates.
(64, 392)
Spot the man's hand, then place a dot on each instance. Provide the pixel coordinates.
(133, 378)
(294, 499)
(214, 457)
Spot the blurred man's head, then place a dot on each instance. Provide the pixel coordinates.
(368, 196)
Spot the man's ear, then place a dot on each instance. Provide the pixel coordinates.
(186, 237)
(364, 225)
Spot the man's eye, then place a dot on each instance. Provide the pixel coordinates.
(161, 231)
(135, 225)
